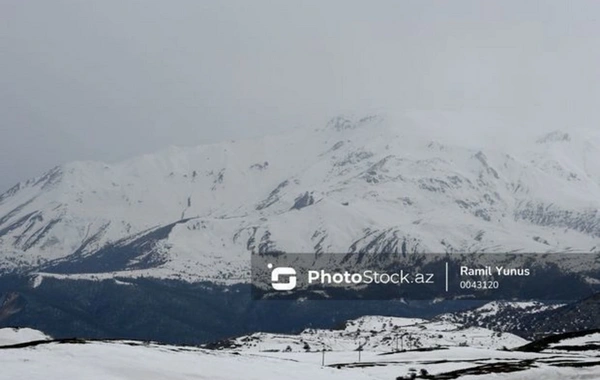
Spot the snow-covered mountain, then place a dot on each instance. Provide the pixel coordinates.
(371, 184)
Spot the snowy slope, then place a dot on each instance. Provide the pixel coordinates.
(142, 360)
(373, 184)
(10, 336)
(377, 334)
(108, 361)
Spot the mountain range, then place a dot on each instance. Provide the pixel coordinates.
(370, 184)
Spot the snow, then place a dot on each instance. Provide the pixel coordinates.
(380, 334)
(10, 336)
(491, 309)
(37, 281)
(438, 191)
(147, 360)
(593, 338)
(498, 315)
(108, 361)
(136, 360)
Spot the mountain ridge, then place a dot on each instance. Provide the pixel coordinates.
(366, 184)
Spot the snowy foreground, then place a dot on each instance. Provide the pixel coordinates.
(106, 360)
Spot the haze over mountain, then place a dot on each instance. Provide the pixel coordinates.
(113, 80)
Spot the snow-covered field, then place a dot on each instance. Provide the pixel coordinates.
(120, 360)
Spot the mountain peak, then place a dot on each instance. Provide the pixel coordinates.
(342, 123)
(555, 136)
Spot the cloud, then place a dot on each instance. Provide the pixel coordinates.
(112, 79)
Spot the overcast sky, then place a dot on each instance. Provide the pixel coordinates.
(110, 79)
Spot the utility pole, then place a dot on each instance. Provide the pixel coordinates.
(400, 339)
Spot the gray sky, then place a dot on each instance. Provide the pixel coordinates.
(111, 79)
